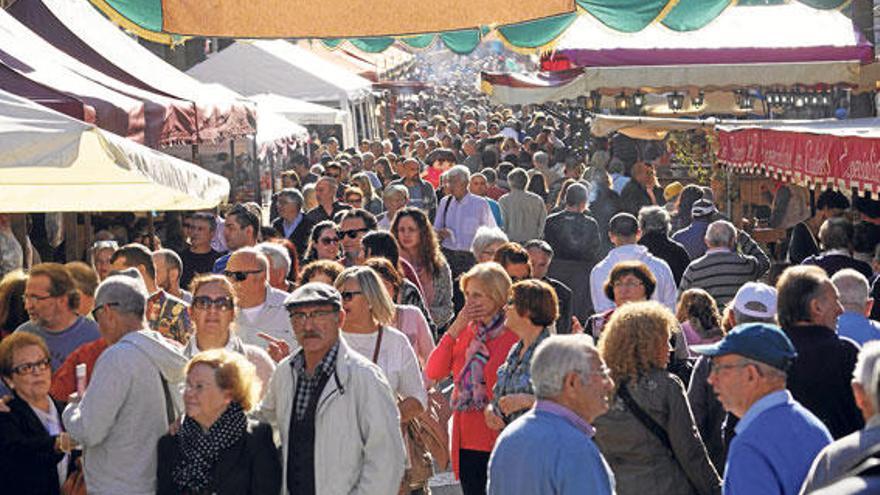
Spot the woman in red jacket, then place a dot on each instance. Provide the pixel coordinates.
(472, 349)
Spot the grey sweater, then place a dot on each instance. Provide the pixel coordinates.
(122, 415)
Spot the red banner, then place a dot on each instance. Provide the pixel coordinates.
(844, 161)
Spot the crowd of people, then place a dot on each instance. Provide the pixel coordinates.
(600, 333)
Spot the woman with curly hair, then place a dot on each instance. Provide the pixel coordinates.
(699, 318)
(419, 246)
(648, 435)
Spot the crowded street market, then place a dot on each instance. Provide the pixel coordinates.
(547, 247)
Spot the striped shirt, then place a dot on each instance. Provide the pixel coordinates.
(720, 272)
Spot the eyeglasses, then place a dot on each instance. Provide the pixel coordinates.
(352, 234)
(349, 295)
(240, 276)
(626, 285)
(353, 199)
(715, 368)
(299, 317)
(329, 240)
(604, 372)
(36, 366)
(332, 176)
(34, 297)
(224, 303)
(99, 308)
(187, 226)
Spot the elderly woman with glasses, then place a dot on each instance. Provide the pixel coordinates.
(648, 435)
(217, 448)
(628, 281)
(323, 243)
(34, 448)
(473, 347)
(213, 312)
(532, 307)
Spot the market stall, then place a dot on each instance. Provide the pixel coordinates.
(81, 32)
(282, 68)
(53, 163)
(843, 154)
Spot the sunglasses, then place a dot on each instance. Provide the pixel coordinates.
(329, 240)
(240, 276)
(99, 308)
(349, 295)
(224, 303)
(352, 234)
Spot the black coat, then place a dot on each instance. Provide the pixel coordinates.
(671, 252)
(820, 377)
(252, 466)
(300, 235)
(28, 461)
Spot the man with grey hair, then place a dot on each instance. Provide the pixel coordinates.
(524, 212)
(129, 402)
(840, 457)
(776, 437)
(279, 265)
(394, 197)
(854, 297)
(292, 223)
(654, 225)
(168, 270)
(572, 386)
(459, 215)
(574, 237)
(261, 307)
(721, 271)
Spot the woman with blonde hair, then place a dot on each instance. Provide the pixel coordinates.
(369, 312)
(475, 345)
(648, 435)
(217, 448)
(371, 202)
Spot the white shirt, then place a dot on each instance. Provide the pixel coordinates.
(463, 218)
(664, 293)
(396, 358)
(271, 318)
(52, 422)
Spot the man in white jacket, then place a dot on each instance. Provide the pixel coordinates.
(623, 229)
(131, 395)
(336, 413)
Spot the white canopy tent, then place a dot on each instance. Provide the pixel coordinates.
(53, 163)
(300, 111)
(282, 68)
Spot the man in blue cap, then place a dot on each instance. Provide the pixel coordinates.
(776, 438)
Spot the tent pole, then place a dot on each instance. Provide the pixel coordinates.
(232, 162)
(256, 171)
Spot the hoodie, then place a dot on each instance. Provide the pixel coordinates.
(664, 293)
(123, 414)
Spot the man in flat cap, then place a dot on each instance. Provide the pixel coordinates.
(336, 413)
(776, 437)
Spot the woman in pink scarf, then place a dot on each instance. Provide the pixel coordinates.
(472, 349)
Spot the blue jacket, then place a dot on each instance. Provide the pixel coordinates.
(775, 444)
(544, 453)
(857, 327)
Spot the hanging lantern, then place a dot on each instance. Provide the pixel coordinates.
(675, 101)
(698, 100)
(595, 101)
(620, 101)
(638, 100)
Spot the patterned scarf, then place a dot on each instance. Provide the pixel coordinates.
(202, 449)
(470, 391)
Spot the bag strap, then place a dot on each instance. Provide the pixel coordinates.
(446, 209)
(644, 418)
(378, 346)
(169, 404)
(653, 426)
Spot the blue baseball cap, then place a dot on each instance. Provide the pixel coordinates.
(762, 342)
